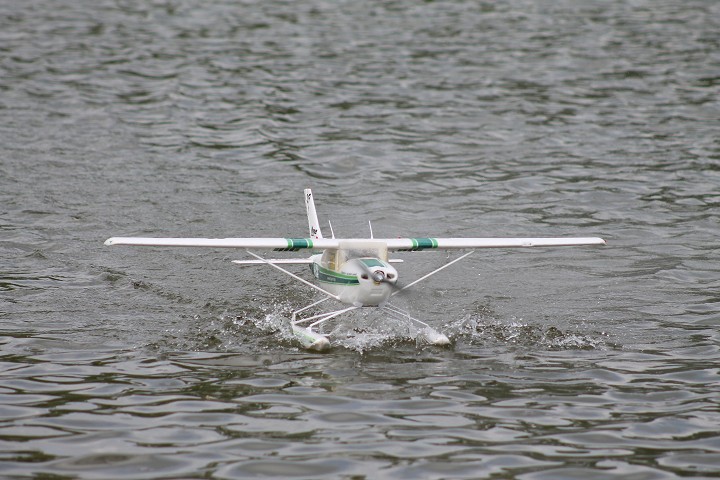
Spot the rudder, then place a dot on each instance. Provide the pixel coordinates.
(313, 222)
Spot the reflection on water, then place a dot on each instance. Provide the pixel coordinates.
(445, 118)
(530, 409)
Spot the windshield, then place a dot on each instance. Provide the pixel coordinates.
(372, 262)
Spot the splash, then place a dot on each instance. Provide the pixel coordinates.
(361, 331)
(481, 331)
(369, 330)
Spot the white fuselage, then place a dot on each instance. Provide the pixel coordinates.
(365, 281)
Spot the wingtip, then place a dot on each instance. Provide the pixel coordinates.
(109, 241)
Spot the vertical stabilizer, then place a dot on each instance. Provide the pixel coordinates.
(312, 215)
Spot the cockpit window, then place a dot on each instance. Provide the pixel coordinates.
(362, 249)
(372, 262)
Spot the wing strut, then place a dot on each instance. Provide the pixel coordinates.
(294, 276)
(432, 273)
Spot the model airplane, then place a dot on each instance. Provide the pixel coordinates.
(354, 272)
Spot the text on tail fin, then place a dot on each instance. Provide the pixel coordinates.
(312, 215)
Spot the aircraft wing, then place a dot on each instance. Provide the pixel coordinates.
(397, 244)
(280, 244)
(413, 244)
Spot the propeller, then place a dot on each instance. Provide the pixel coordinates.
(378, 276)
(394, 284)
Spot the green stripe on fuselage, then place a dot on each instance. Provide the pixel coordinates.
(326, 275)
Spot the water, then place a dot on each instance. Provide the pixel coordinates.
(443, 118)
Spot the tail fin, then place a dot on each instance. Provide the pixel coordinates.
(312, 215)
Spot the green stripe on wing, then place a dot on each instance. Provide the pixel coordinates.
(295, 244)
(421, 244)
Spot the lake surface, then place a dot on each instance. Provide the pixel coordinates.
(435, 118)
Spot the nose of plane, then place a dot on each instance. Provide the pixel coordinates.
(386, 274)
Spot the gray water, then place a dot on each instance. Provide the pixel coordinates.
(435, 118)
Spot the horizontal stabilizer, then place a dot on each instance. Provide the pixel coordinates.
(282, 261)
(291, 261)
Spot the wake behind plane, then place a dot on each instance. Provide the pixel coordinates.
(357, 272)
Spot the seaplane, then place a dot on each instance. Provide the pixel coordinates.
(355, 272)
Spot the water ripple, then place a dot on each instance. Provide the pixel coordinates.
(430, 119)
